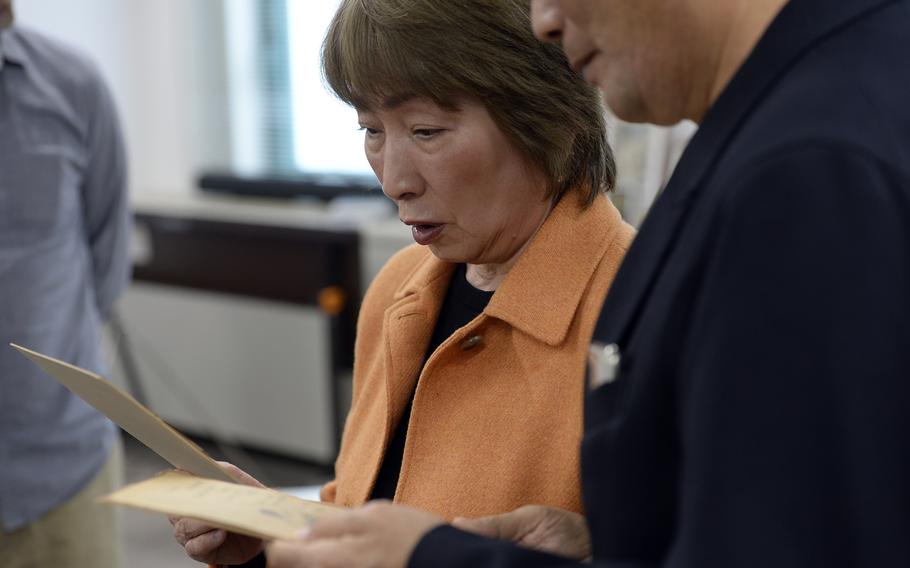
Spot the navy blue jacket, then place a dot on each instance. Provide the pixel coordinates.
(761, 416)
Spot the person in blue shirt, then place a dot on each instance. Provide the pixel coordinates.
(64, 226)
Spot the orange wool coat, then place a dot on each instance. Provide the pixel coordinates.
(497, 415)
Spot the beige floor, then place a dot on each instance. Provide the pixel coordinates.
(147, 540)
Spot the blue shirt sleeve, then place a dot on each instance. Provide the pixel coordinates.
(106, 200)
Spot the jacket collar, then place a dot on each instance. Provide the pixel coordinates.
(425, 274)
(541, 293)
(797, 29)
(11, 49)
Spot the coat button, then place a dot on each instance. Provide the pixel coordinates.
(471, 342)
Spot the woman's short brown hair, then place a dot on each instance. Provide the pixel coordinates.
(448, 50)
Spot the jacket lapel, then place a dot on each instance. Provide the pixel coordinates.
(638, 270)
(408, 327)
(800, 25)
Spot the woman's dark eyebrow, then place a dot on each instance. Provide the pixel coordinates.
(396, 101)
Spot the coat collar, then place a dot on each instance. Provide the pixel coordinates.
(796, 30)
(542, 292)
(11, 48)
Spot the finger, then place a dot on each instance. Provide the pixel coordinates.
(285, 554)
(201, 547)
(187, 529)
(297, 554)
(345, 522)
(336, 525)
(239, 475)
(511, 526)
(484, 526)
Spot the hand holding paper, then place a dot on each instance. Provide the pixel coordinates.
(253, 511)
(204, 490)
(212, 545)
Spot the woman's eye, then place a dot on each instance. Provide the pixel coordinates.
(369, 131)
(426, 132)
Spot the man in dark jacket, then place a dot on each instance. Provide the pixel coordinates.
(750, 396)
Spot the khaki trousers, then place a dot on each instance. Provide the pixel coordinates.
(80, 533)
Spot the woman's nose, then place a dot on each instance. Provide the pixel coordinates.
(399, 177)
(547, 20)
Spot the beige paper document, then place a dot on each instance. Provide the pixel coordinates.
(127, 413)
(254, 511)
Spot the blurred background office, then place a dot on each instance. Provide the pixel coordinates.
(258, 226)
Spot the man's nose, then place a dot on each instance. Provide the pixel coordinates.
(547, 20)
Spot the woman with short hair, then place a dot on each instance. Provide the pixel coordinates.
(471, 344)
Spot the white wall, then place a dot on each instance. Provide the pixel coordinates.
(164, 62)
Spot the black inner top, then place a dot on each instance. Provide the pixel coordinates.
(462, 304)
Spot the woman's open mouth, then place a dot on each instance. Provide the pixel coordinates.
(426, 234)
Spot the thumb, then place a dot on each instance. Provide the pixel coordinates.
(490, 527)
(239, 475)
